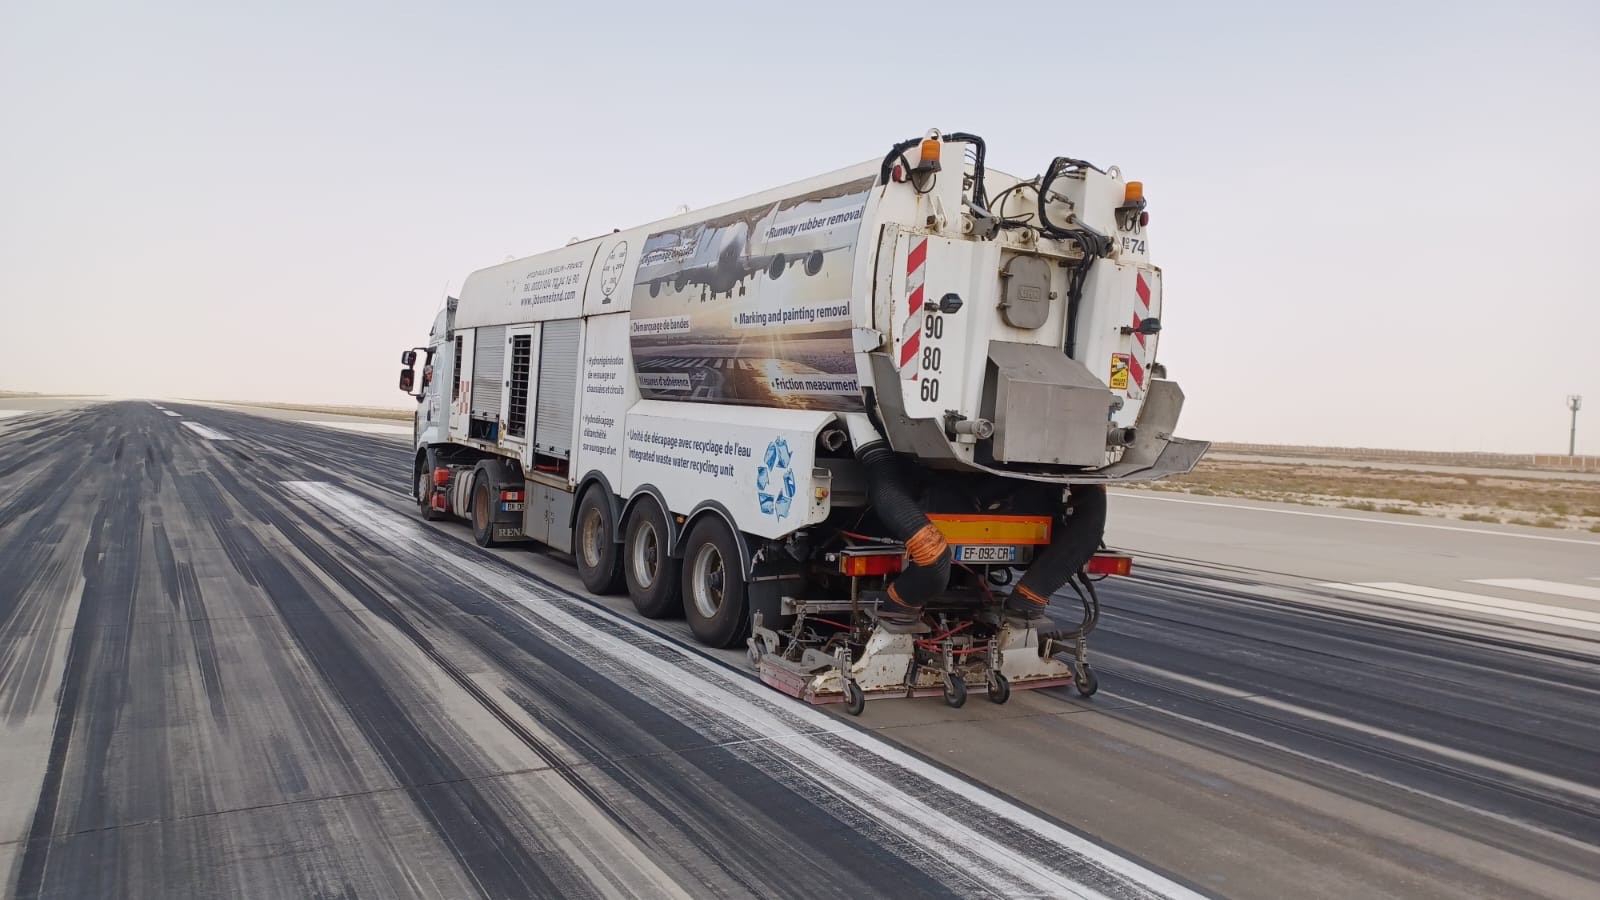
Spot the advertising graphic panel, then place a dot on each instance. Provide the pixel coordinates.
(753, 307)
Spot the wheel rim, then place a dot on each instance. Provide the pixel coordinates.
(707, 580)
(480, 510)
(645, 556)
(423, 498)
(591, 538)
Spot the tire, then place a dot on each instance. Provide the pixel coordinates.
(424, 491)
(714, 596)
(651, 574)
(594, 544)
(955, 692)
(999, 688)
(854, 700)
(1089, 683)
(482, 512)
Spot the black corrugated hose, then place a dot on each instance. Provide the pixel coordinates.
(1073, 543)
(928, 572)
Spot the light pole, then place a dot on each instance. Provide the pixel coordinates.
(1574, 403)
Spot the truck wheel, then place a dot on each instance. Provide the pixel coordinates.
(599, 563)
(713, 585)
(482, 513)
(651, 574)
(425, 497)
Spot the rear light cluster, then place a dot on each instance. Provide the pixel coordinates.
(857, 565)
(511, 496)
(1110, 564)
(879, 562)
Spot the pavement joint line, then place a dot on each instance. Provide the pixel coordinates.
(1364, 775)
(1017, 717)
(1482, 532)
(1553, 782)
(1463, 602)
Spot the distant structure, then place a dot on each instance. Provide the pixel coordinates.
(1574, 403)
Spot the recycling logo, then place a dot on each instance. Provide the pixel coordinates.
(775, 479)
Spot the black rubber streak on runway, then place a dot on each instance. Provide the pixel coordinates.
(117, 812)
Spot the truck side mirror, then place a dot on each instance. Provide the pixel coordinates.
(407, 377)
(408, 358)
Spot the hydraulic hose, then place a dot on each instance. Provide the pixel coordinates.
(928, 572)
(1073, 542)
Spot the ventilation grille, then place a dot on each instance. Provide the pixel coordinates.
(517, 411)
(455, 366)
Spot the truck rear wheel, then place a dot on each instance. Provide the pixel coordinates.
(482, 513)
(713, 585)
(596, 548)
(652, 574)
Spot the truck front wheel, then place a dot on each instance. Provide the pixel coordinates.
(652, 574)
(424, 492)
(714, 599)
(599, 563)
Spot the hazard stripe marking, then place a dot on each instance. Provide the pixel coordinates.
(912, 328)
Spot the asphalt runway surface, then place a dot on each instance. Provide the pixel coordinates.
(233, 662)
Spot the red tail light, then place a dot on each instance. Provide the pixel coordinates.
(858, 564)
(511, 496)
(1110, 564)
(441, 477)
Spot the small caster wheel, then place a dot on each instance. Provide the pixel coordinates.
(854, 700)
(955, 691)
(755, 651)
(999, 688)
(1088, 682)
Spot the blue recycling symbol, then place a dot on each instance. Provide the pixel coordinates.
(775, 479)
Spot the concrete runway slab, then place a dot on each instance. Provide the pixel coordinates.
(245, 667)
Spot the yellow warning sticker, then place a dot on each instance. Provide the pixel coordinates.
(1119, 371)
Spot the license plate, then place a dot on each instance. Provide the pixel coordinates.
(986, 553)
(511, 507)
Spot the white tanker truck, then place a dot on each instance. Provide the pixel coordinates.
(861, 424)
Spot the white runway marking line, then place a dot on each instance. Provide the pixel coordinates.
(1540, 586)
(369, 427)
(173, 414)
(864, 776)
(1451, 753)
(1136, 495)
(1476, 603)
(210, 434)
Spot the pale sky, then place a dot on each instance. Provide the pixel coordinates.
(1378, 221)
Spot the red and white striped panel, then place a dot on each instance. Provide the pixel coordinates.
(911, 329)
(1140, 352)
